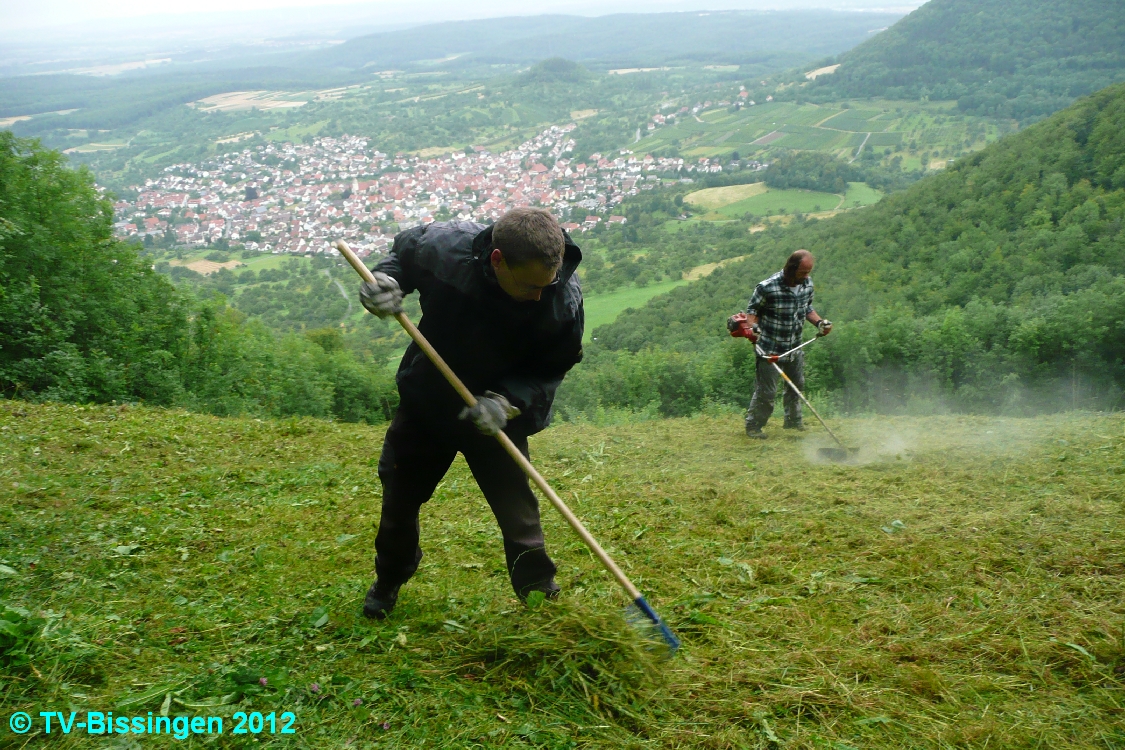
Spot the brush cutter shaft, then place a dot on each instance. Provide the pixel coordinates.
(800, 395)
(505, 441)
(775, 358)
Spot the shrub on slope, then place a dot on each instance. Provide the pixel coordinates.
(81, 317)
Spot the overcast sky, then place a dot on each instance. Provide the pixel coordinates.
(38, 14)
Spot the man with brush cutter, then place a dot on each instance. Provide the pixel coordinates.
(503, 306)
(774, 319)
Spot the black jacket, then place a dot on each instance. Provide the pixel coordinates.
(519, 349)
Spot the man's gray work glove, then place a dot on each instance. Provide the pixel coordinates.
(383, 298)
(823, 327)
(491, 414)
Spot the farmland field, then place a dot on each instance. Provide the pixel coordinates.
(712, 198)
(959, 586)
(908, 126)
(859, 194)
(604, 308)
(728, 203)
(776, 201)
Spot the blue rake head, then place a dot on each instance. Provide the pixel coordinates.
(644, 618)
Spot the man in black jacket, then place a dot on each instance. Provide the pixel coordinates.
(503, 307)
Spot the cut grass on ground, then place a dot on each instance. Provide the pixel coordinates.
(966, 588)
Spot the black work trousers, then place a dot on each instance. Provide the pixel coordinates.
(765, 390)
(417, 452)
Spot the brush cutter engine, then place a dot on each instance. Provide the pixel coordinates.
(740, 327)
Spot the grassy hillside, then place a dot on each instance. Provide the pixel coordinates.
(1009, 58)
(961, 588)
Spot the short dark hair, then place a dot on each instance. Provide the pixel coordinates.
(526, 235)
(793, 263)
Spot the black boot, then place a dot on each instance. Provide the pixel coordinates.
(380, 600)
(794, 425)
(549, 589)
(754, 431)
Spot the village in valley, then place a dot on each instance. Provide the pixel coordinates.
(298, 198)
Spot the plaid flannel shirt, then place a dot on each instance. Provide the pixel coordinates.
(781, 312)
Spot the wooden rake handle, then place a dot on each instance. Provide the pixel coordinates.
(505, 441)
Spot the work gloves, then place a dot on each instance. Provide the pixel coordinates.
(383, 298)
(823, 327)
(491, 414)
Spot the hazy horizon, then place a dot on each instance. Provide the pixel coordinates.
(66, 17)
(65, 36)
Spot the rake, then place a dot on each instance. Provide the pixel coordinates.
(641, 609)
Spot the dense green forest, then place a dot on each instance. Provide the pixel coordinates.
(996, 285)
(1001, 58)
(811, 170)
(85, 318)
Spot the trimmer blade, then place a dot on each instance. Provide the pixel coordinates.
(837, 454)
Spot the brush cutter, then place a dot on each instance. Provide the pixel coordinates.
(835, 454)
(739, 327)
(646, 614)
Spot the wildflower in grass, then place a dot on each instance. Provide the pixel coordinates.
(263, 681)
(386, 725)
(357, 703)
(314, 688)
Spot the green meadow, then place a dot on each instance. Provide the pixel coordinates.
(792, 201)
(959, 585)
(604, 308)
(781, 201)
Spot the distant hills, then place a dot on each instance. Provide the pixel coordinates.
(617, 41)
(761, 43)
(1022, 59)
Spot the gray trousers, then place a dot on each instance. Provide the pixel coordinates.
(765, 390)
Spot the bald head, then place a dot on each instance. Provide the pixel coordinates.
(798, 267)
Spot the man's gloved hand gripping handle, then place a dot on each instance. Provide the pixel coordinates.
(491, 413)
(383, 298)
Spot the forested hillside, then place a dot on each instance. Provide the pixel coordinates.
(999, 284)
(1007, 58)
